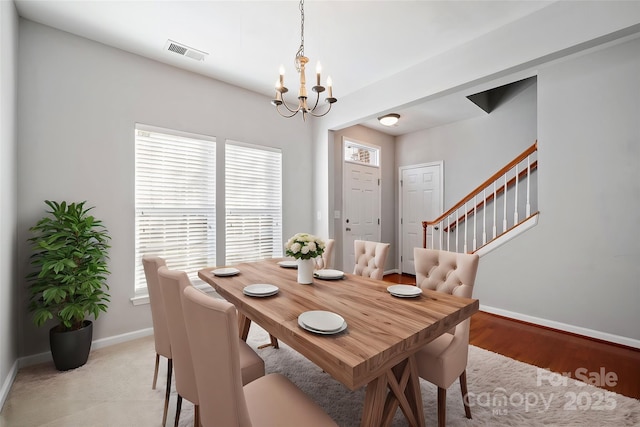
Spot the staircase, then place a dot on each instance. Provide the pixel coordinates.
(499, 209)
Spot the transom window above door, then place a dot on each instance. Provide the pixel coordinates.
(358, 153)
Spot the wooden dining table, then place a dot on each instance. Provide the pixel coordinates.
(376, 350)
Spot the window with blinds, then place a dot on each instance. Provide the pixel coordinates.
(175, 200)
(253, 198)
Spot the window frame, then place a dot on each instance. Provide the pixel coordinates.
(276, 230)
(207, 199)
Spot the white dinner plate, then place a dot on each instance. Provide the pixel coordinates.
(230, 271)
(315, 331)
(329, 274)
(260, 290)
(404, 291)
(288, 264)
(322, 321)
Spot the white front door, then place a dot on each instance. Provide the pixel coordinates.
(361, 204)
(421, 200)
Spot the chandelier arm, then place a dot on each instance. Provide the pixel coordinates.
(323, 114)
(293, 113)
(289, 108)
(317, 99)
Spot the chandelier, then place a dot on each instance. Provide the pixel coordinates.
(300, 62)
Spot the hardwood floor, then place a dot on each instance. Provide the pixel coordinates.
(588, 359)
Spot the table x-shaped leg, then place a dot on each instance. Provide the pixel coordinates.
(398, 387)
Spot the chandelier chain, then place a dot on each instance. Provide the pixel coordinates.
(300, 52)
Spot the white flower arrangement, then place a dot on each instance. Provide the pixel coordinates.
(304, 246)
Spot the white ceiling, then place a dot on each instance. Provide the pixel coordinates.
(357, 42)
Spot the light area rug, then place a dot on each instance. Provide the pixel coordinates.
(114, 389)
(502, 392)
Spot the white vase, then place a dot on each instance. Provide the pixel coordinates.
(305, 270)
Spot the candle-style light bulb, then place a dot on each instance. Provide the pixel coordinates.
(278, 99)
(281, 75)
(318, 70)
(329, 86)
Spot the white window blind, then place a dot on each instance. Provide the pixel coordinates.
(175, 200)
(253, 198)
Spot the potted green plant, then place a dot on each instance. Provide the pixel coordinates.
(69, 279)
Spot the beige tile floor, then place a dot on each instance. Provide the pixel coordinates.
(112, 389)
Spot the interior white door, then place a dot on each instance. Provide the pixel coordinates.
(421, 195)
(361, 205)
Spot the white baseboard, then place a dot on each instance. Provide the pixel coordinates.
(117, 339)
(8, 382)
(96, 344)
(604, 336)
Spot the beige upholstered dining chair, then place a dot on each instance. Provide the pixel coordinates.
(324, 261)
(370, 258)
(444, 359)
(251, 366)
(271, 400)
(151, 265)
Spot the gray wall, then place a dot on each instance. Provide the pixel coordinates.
(579, 266)
(78, 104)
(8, 195)
(473, 150)
(387, 188)
(577, 269)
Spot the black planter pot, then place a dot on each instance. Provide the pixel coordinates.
(70, 349)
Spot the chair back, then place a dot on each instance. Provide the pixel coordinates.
(443, 271)
(151, 264)
(324, 261)
(370, 258)
(448, 272)
(172, 283)
(212, 329)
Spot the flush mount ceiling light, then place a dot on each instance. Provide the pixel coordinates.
(300, 62)
(389, 119)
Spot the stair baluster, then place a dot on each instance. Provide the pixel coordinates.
(443, 227)
(528, 209)
(484, 216)
(515, 205)
(504, 211)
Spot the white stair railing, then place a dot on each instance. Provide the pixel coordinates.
(503, 188)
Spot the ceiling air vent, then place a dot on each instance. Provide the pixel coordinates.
(184, 50)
